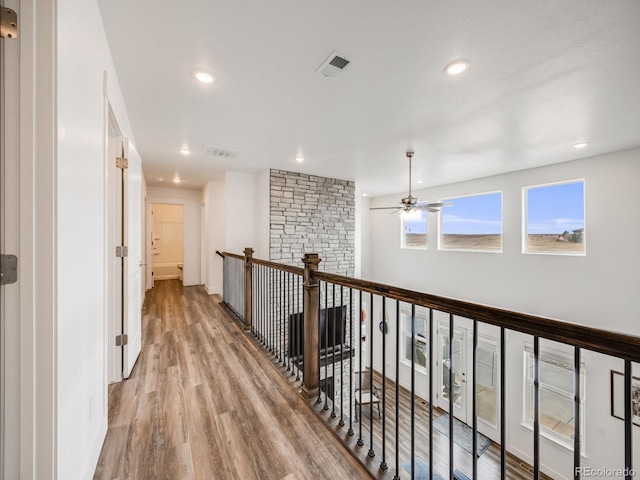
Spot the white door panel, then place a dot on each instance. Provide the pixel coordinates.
(133, 263)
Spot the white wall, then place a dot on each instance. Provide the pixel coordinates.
(213, 197)
(264, 199)
(82, 58)
(191, 201)
(599, 289)
(241, 211)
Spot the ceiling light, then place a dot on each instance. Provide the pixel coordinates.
(176, 179)
(418, 181)
(203, 76)
(299, 159)
(364, 194)
(580, 145)
(158, 179)
(456, 67)
(185, 151)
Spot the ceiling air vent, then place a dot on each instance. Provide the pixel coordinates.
(333, 65)
(217, 152)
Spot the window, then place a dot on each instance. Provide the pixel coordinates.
(414, 229)
(420, 345)
(472, 223)
(556, 397)
(555, 218)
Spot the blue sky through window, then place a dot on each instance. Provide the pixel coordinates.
(555, 208)
(473, 215)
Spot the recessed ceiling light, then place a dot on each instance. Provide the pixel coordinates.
(418, 181)
(185, 151)
(456, 67)
(580, 145)
(364, 194)
(203, 76)
(158, 179)
(176, 179)
(299, 159)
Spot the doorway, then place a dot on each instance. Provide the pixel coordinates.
(487, 371)
(167, 241)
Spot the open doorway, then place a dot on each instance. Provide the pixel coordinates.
(168, 241)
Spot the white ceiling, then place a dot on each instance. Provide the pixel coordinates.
(544, 75)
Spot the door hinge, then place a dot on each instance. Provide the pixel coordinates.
(122, 163)
(122, 340)
(122, 251)
(8, 23)
(8, 269)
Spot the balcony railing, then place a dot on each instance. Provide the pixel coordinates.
(319, 327)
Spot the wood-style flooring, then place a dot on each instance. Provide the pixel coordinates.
(204, 403)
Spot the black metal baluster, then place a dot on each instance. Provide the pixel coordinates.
(359, 414)
(413, 390)
(474, 401)
(326, 347)
(319, 400)
(283, 302)
(287, 339)
(298, 326)
(397, 439)
(576, 413)
(342, 312)
(628, 422)
(383, 464)
(536, 407)
(451, 407)
(430, 393)
(351, 352)
(333, 349)
(503, 415)
(371, 452)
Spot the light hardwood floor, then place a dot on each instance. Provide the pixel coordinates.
(204, 403)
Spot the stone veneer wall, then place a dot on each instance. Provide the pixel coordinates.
(311, 214)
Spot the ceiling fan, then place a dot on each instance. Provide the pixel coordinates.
(410, 204)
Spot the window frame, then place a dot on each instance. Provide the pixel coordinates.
(475, 250)
(406, 337)
(525, 218)
(527, 400)
(403, 245)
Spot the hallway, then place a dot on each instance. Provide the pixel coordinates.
(202, 403)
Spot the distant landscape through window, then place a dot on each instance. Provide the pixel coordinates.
(555, 218)
(473, 223)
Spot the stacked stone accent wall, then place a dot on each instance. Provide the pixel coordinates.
(311, 214)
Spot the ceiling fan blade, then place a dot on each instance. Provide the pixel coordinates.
(433, 209)
(396, 211)
(385, 208)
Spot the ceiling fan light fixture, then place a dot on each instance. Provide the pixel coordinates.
(456, 67)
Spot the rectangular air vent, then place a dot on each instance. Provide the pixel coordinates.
(217, 152)
(333, 65)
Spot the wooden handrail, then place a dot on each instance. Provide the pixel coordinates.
(603, 341)
(279, 266)
(608, 342)
(231, 255)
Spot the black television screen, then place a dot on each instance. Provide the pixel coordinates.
(333, 322)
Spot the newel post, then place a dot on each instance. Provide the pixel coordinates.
(248, 285)
(311, 301)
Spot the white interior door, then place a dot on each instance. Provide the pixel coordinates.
(10, 245)
(444, 365)
(133, 291)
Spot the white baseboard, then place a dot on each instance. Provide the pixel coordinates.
(96, 448)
